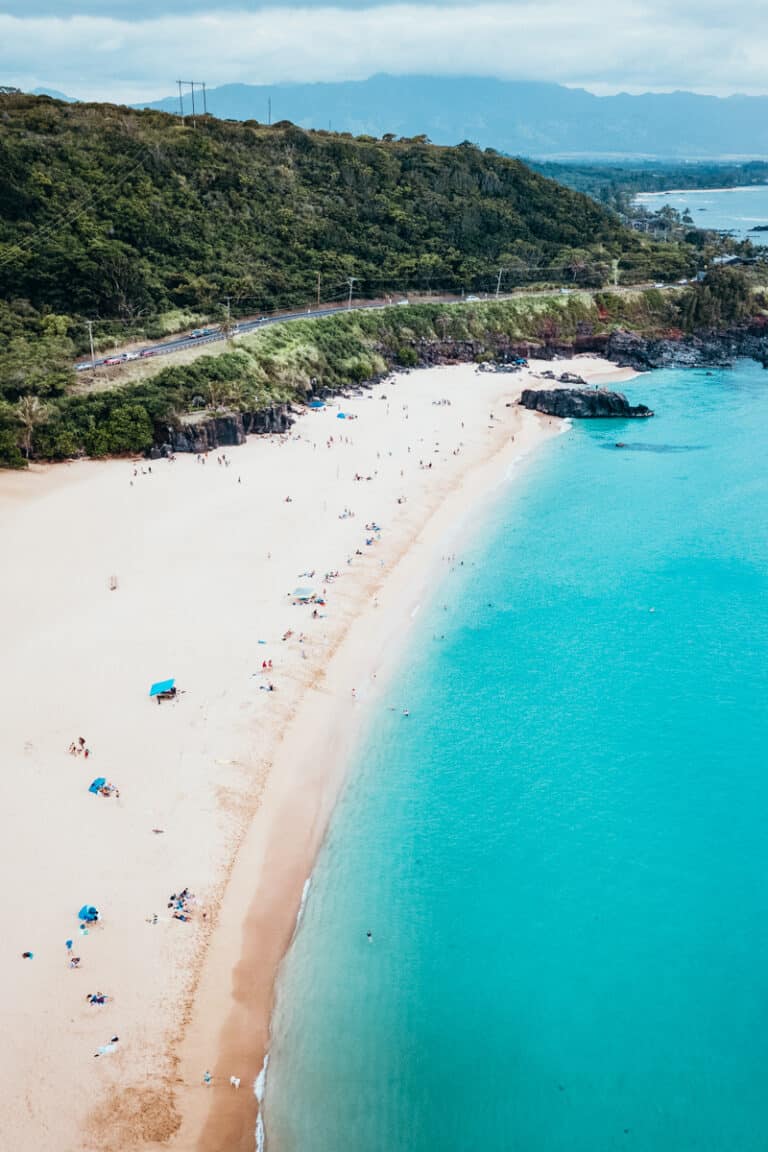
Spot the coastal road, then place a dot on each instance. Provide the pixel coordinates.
(213, 335)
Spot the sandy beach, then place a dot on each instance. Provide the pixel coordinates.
(119, 574)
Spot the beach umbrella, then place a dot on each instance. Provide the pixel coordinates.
(303, 593)
(88, 913)
(161, 686)
(341, 415)
(317, 404)
(98, 784)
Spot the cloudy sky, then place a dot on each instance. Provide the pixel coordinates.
(129, 50)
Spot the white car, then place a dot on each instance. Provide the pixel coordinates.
(472, 299)
(403, 302)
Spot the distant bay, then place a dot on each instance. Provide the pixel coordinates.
(736, 210)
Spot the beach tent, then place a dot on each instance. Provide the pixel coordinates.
(88, 913)
(317, 404)
(341, 415)
(161, 686)
(303, 593)
(98, 784)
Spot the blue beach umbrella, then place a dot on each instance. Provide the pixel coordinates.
(88, 913)
(317, 404)
(98, 784)
(161, 686)
(341, 415)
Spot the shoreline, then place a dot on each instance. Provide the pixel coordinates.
(273, 876)
(242, 783)
(245, 1036)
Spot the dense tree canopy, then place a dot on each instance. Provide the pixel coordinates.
(111, 213)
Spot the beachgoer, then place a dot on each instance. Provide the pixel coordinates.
(369, 934)
(207, 1078)
(27, 955)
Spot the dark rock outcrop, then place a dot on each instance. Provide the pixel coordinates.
(223, 431)
(582, 403)
(714, 350)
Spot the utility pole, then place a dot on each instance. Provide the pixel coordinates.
(191, 84)
(318, 289)
(269, 110)
(351, 281)
(498, 282)
(227, 302)
(90, 337)
(615, 264)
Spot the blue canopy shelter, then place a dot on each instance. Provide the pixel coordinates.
(341, 415)
(303, 593)
(161, 686)
(317, 404)
(98, 784)
(88, 914)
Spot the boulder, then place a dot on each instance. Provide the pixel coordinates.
(582, 403)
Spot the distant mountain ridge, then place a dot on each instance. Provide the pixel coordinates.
(54, 94)
(524, 119)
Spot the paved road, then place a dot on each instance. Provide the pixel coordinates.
(211, 335)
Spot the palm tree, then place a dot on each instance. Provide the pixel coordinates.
(30, 413)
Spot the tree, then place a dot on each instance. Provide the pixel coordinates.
(30, 413)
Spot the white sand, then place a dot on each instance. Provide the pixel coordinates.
(204, 555)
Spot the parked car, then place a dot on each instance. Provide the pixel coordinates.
(131, 356)
(112, 360)
(401, 302)
(148, 352)
(83, 367)
(472, 299)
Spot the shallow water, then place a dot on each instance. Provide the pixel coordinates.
(561, 853)
(736, 210)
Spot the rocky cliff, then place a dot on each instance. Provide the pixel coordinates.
(582, 403)
(222, 431)
(712, 350)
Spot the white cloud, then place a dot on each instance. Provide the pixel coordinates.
(639, 45)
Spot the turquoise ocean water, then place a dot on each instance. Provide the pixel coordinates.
(562, 853)
(734, 210)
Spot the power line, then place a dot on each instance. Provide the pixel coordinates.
(57, 225)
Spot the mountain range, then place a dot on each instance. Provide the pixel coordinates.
(521, 119)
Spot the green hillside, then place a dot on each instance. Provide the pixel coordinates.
(117, 214)
(141, 223)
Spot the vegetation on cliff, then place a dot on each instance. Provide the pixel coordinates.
(283, 362)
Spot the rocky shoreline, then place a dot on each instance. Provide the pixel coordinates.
(625, 348)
